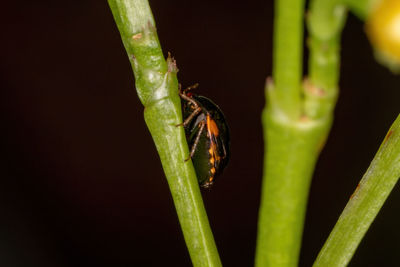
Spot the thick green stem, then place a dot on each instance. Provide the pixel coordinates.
(291, 151)
(365, 203)
(157, 87)
(293, 143)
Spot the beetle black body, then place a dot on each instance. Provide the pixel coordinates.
(207, 134)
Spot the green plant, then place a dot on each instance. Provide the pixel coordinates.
(157, 87)
(297, 119)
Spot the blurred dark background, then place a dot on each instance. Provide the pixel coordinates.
(81, 183)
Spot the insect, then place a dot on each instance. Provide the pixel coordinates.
(207, 134)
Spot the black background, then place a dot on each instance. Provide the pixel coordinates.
(81, 183)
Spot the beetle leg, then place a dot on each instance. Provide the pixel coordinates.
(191, 116)
(189, 100)
(196, 141)
(194, 86)
(223, 147)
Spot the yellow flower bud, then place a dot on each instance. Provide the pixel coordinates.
(383, 29)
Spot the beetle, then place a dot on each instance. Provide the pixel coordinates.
(207, 134)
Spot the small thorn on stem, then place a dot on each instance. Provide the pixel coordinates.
(310, 88)
(137, 36)
(304, 118)
(355, 191)
(388, 135)
(150, 26)
(269, 83)
(171, 64)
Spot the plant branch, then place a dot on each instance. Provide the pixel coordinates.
(287, 56)
(361, 7)
(157, 87)
(364, 203)
(293, 143)
(325, 19)
(291, 150)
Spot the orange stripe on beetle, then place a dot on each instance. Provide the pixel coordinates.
(212, 127)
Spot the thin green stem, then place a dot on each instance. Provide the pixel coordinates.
(287, 56)
(365, 202)
(157, 87)
(325, 23)
(361, 7)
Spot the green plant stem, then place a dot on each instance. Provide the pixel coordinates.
(288, 54)
(325, 22)
(361, 7)
(157, 88)
(291, 151)
(293, 143)
(365, 203)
